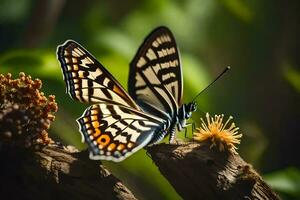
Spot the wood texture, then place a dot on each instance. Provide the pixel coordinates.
(55, 172)
(198, 172)
(194, 170)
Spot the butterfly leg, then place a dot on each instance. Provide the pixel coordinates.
(193, 127)
(193, 130)
(186, 126)
(185, 132)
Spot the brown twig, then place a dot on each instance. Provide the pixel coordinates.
(197, 171)
(54, 172)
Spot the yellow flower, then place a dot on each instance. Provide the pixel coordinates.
(220, 135)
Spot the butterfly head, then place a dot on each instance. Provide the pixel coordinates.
(190, 107)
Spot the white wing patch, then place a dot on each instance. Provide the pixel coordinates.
(114, 132)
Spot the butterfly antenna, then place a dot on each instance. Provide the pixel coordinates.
(220, 75)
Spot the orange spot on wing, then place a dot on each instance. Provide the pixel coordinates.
(94, 112)
(103, 140)
(111, 147)
(120, 147)
(95, 124)
(94, 117)
(96, 133)
(117, 90)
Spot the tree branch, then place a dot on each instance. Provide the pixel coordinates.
(197, 171)
(32, 165)
(55, 172)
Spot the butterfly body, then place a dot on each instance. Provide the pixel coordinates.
(120, 123)
(178, 122)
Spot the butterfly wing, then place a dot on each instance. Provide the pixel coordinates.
(114, 127)
(114, 132)
(87, 80)
(155, 80)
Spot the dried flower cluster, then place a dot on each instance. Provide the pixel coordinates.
(25, 113)
(220, 135)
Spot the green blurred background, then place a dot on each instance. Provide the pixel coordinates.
(258, 39)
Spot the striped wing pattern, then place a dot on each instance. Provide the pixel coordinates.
(114, 127)
(114, 132)
(87, 80)
(155, 80)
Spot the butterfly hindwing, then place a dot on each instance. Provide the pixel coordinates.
(114, 127)
(114, 132)
(87, 80)
(155, 80)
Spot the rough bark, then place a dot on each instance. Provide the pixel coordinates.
(55, 172)
(194, 169)
(197, 171)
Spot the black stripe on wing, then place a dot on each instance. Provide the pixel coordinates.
(87, 80)
(114, 132)
(155, 76)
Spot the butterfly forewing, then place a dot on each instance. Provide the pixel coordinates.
(114, 132)
(155, 80)
(87, 80)
(115, 126)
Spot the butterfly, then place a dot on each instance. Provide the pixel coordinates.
(118, 123)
